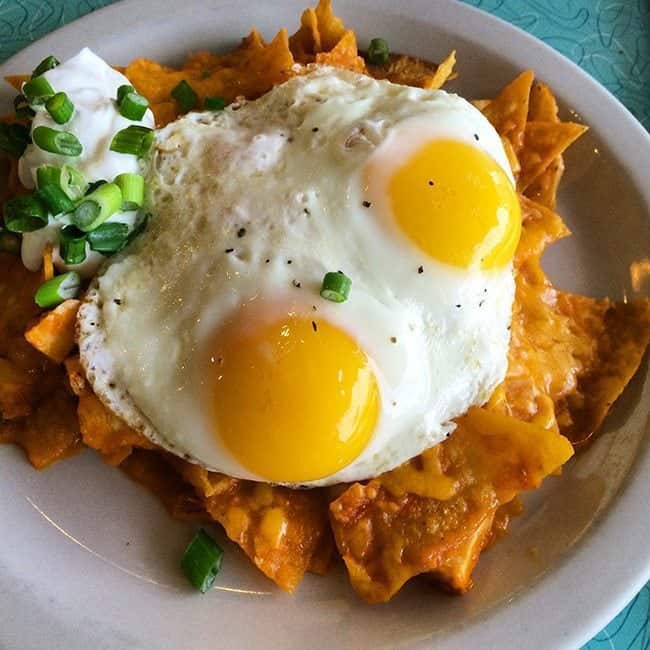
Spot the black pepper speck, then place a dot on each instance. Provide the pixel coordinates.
(366, 204)
(420, 269)
(241, 232)
(229, 250)
(314, 326)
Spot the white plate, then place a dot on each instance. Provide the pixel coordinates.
(89, 560)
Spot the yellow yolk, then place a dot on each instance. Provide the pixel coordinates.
(294, 399)
(457, 205)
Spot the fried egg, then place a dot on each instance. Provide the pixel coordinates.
(209, 334)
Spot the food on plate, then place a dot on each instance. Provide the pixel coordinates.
(309, 306)
(345, 391)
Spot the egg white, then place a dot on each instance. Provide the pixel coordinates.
(287, 168)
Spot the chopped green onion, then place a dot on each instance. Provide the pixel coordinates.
(48, 175)
(59, 288)
(132, 186)
(19, 100)
(24, 214)
(73, 245)
(134, 140)
(184, 94)
(38, 90)
(13, 139)
(378, 51)
(336, 286)
(46, 64)
(97, 206)
(60, 108)
(94, 185)
(73, 182)
(70, 180)
(202, 561)
(61, 142)
(55, 199)
(214, 103)
(133, 106)
(9, 242)
(123, 91)
(109, 238)
(24, 112)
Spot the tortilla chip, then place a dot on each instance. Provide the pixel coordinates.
(622, 334)
(16, 391)
(306, 42)
(279, 529)
(330, 27)
(100, 428)
(544, 189)
(53, 335)
(250, 71)
(411, 71)
(544, 142)
(150, 469)
(512, 156)
(542, 106)
(387, 536)
(508, 111)
(344, 54)
(17, 81)
(444, 72)
(51, 432)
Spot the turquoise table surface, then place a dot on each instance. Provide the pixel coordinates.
(610, 39)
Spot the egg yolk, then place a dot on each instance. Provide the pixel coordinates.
(456, 203)
(294, 399)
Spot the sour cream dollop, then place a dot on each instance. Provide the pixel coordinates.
(91, 85)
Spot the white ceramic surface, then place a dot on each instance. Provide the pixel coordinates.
(89, 560)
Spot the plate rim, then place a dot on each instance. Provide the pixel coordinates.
(621, 512)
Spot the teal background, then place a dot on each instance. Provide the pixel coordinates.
(610, 39)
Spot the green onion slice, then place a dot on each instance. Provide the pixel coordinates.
(24, 113)
(336, 286)
(9, 242)
(59, 288)
(48, 175)
(132, 186)
(134, 139)
(201, 561)
(123, 91)
(214, 103)
(55, 199)
(20, 100)
(46, 64)
(133, 106)
(25, 214)
(73, 182)
(60, 108)
(94, 185)
(184, 94)
(378, 51)
(14, 138)
(73, 245)
(97, 206)
(109, 238)
(37, 91)
(61, 142)
(70, 180)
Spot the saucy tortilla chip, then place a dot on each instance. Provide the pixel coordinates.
(508, 111)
